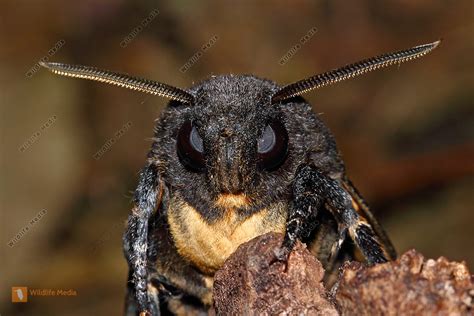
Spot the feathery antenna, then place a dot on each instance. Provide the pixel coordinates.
(351, 71)
(121, 80)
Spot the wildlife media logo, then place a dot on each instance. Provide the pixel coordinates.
(20, 293)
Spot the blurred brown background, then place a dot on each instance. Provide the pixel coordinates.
(406, 133)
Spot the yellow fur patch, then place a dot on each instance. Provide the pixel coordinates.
(232, 201)
(208, 245)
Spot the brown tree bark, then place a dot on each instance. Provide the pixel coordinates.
(251, 282)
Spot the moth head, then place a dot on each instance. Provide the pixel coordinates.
(232, 134)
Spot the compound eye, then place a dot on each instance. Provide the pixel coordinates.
(272, 147)
(267, 141)
(190, 147)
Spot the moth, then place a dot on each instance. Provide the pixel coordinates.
(234, 157)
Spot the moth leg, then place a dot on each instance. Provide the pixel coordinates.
(316, 188)
(363, 209)
(146, 199)
(154, 297)
(302, 212)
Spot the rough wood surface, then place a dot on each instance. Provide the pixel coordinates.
(251, 282)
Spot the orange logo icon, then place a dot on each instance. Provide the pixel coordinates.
(19, 294)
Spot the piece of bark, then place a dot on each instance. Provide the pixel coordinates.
(251, 282)
(410, 285)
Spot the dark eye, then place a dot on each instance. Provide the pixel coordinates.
(272, 146)
(190, 147)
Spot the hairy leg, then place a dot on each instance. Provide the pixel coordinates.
(311, 190)
(147, 197)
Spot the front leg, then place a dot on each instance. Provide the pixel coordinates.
(146, 199)
(312, 189)
(302, 211)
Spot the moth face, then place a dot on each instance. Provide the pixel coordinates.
(233, 134)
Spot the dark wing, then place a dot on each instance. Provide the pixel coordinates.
(363, 209)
